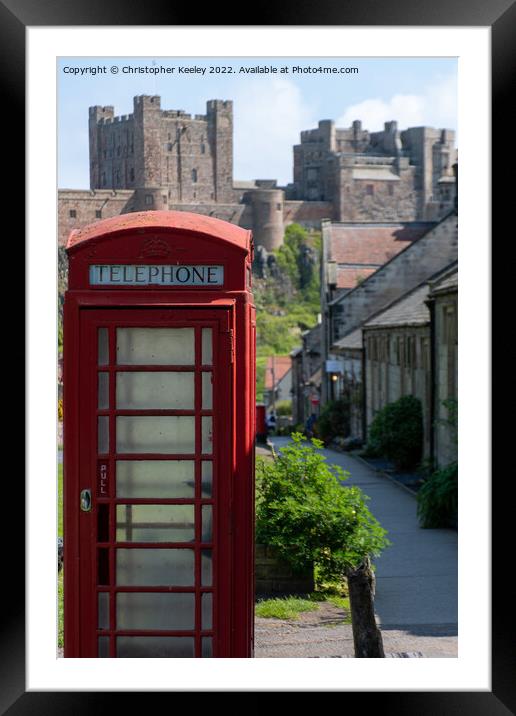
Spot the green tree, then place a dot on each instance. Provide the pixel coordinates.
(309, 517)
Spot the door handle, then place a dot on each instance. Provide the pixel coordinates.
(86, 500)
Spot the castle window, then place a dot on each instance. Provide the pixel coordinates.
(164, 197)
(170, 147)
(391, 190)
(149, 199)
(203, 148)
(73, 214)
(278, 207)
(194, 176)
(98, 214)
(369, 189)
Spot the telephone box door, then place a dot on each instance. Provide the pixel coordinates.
(153, 500)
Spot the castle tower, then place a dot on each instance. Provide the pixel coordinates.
(147, 141)
(268, 227)
(220, 134)
(96, 115)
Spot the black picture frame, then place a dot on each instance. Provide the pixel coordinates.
(500, 16)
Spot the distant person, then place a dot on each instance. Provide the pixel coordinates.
(310, 422)
(271, 422)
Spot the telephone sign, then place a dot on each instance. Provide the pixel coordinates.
(159, 411)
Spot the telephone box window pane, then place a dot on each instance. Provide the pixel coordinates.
(155, 434)
(207, 346)
(103, 567)
(155, 523)
(103, 523)
(206, 568)
(207, 391)
(155, 611)
(155, 567)
(103, 610)
(172, 391)
(207, 647)
(155, 478)
(103, 434)
(155, 346)
(103, 346)
(166, 647)
(207, 436)
(103, 391)
(206, 478)
(103, 647)
(206, 523)
(207, 611)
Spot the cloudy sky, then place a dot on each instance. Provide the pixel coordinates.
(270, 110)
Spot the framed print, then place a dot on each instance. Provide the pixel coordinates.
(37, 44)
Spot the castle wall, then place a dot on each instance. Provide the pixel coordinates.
(76, 208)
(374, 189)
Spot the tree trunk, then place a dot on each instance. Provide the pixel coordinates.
(367, 637)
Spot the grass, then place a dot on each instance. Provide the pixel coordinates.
(284, 608)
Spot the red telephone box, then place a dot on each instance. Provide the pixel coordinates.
(159, 426)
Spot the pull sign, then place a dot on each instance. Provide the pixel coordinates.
(102, 479)
(156, 275)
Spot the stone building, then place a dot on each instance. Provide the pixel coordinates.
(348, 351)
(158, 158)
(443, 306)
(431, 252)
(278, 380)
(408, 347)
(376, 176)
(306, 376)
(396, 344)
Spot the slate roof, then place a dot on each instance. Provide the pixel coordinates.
(359, 249)
(409, 310)
(447, 283)
(352, 341)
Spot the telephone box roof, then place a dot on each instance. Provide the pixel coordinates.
(155, 220)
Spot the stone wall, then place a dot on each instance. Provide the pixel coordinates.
(275, 577)
(76, 208)
(446, 375)
(397, 363)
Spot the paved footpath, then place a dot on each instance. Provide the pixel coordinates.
(416, 581)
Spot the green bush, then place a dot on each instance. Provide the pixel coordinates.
(334, 420)
(284, 407)
(309, 517)
(397, 432)
(437, 499)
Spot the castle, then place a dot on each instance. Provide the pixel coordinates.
(167, 159)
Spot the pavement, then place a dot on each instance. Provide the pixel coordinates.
(416, 582)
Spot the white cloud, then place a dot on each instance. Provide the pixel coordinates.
(269, 115)
(435, 106)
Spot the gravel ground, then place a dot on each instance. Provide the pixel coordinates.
(323, 634)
